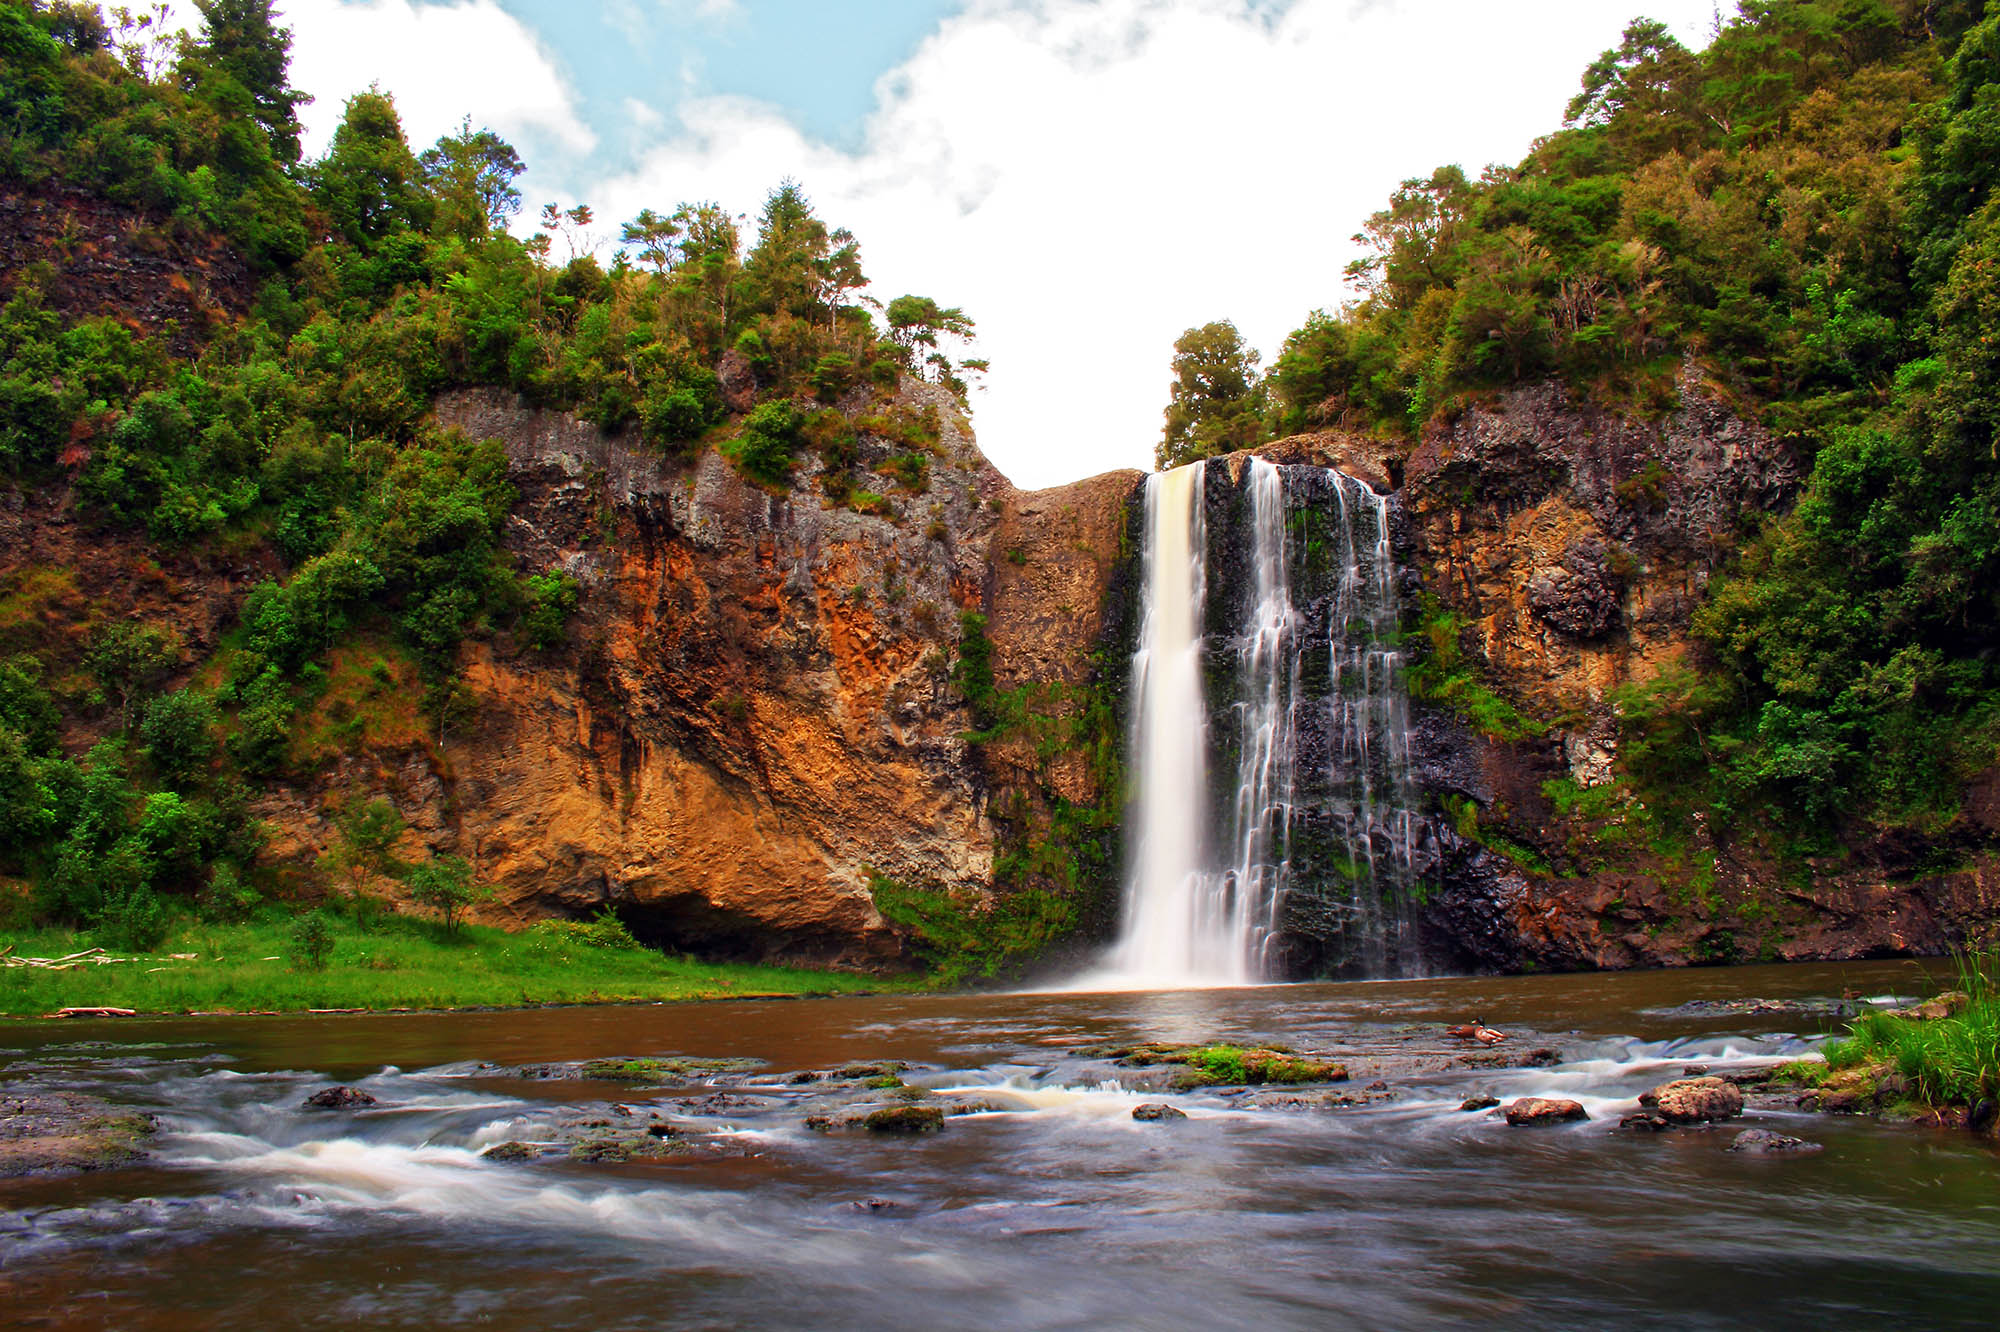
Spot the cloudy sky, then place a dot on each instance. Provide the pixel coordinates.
(1086, 178)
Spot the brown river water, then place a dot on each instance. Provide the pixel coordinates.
(1056, 1210)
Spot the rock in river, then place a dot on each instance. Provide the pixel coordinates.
(1542, 1110)
(338, 1098)
(1695, 1100)
(52, 1131)
(1153, 1112)
(1765, 1141)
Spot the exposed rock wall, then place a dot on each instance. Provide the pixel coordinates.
(755, 712)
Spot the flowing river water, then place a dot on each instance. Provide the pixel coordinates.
(1050, 1207)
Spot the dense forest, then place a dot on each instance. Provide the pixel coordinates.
(289, 423)
(1806, 209)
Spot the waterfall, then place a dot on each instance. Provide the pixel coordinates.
(1170, 934)
(1306, 839)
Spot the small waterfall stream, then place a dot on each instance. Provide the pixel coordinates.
(1270, 748)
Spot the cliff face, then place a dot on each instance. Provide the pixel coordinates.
(755, 713)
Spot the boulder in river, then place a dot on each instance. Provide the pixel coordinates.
(1644, 1122)
(1154, 1112)
(339, 1098)
(1765, 1141)
(1695, 1100)
(1479, 1103)
(905, 1119)
(1533, 1110)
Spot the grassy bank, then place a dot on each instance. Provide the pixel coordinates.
(1940, 1056)
(396, 962)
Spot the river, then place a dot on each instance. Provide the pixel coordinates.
(1055, 1209)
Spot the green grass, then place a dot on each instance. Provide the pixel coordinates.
(1948, 1061)
(398, 963)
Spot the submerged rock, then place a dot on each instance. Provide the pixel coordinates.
(1153, 1112)
(1765, 1141)
(1695, 1100)
(1537, 1110)
(1644, 1122)
(338, 1098)
(45, 1132)
(1479, 1103)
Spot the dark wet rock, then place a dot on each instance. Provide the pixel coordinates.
(1982, 1114)
(1479, 1103)
(1542, 1056)
(1320, 1100)
(875, 1206)
(1695, 1100)
(1644, 1122)
(1538, 1110)
(1835, 1101)
(510, 1151)
(1746, 1007)
(722, 1103)
(904, 1119)
(1578, 594)
(1153, 1112)
(1695, 1071)
(48, 1132)
(1766, 1142)
(339, 1098)
(882, 1072)
(1376, 1086)
(953, 1109)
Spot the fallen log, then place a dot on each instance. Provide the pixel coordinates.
(90, 1011)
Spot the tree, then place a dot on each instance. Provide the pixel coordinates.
(1644, 90)
(655, 236)
(369, 831)
(126, 659)
(915, 324)
(470, 175)
(179, 734)
(444, 885)
(1217, 402)
(1413, 240)
(368, 183)
(241, 39)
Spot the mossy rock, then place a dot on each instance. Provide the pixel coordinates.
(907, 1119)
(1237, 1066)
(509, 1151)
(662, 1068)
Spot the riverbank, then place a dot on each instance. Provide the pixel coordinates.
(392, 963)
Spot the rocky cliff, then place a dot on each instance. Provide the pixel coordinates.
(755, 714)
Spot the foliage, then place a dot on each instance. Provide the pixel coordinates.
(1217, 402)
(312, 941)
(551, 600)
(444, 884)
(1446, 676)
(1947, 1061)
(963, 939)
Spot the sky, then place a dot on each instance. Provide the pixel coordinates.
(1085, 178)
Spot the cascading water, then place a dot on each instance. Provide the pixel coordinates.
(1169, 932)
(1312, 836)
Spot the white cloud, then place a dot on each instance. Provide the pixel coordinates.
(1090, 177)
(442, 62)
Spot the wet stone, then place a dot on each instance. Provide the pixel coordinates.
(1153, 1112)
(905, 1119)
(1532, 1111)
(1695, 1100)
(510, 1151)
(1764, 1141)
(1644, 1122)
(1479, 1103)
(339, 1098)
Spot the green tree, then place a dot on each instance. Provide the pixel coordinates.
(470, 175)
(444, 884)
(178, 732)
(1216, 404)
(241, 39)
(368, 832)
(127, 659)
(656, 238)
(368, 183)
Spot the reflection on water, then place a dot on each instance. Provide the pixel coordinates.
(1050, 1208)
